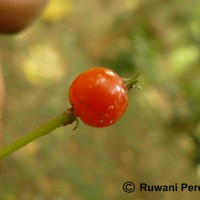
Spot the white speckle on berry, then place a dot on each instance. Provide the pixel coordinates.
(111, 121)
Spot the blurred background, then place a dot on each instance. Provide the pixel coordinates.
(157, 141)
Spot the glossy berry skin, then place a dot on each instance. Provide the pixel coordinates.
(99, 97)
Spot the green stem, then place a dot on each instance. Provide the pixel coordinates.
(60, 120)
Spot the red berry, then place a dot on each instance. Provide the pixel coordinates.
(99, 97)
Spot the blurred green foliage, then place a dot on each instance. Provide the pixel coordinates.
(158, 139)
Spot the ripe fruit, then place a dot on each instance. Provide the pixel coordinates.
(99, 97)
(18, 14)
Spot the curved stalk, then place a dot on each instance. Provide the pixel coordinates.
(60, 120)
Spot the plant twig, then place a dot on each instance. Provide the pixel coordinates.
(60, 120)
